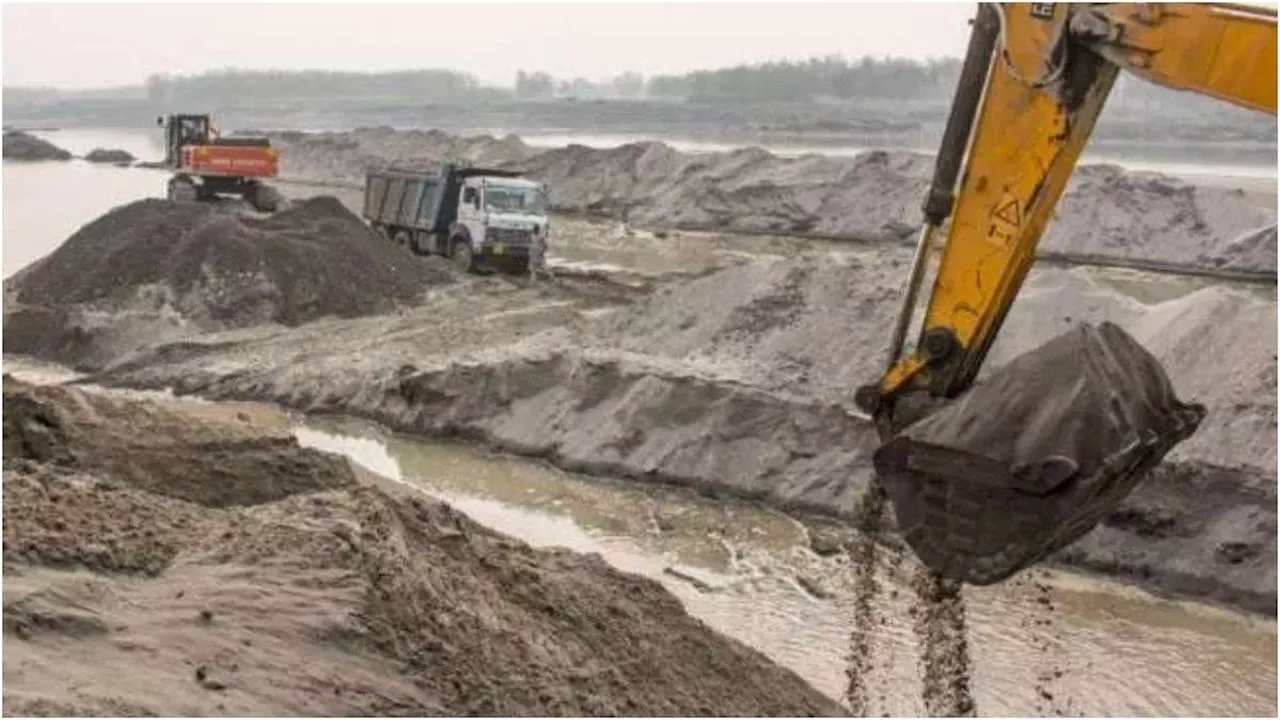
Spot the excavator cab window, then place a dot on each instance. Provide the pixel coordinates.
(190, 132)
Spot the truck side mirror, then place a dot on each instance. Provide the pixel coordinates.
(469, 195)
(160, 120)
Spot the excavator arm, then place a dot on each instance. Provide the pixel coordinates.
(1032, 85)
(988, 479)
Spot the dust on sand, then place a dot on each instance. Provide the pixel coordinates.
(148, 550)
(153, 271)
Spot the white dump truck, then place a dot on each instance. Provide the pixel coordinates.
(479, 218)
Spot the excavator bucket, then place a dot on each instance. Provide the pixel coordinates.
(1033, 458)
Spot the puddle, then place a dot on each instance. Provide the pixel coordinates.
(1049, 644)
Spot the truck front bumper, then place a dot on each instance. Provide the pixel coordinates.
(535, 252)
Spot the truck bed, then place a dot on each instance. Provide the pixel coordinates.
(402, 199)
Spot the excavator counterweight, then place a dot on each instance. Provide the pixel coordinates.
(988, 480)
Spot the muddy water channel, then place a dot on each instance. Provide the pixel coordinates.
(1046, 644)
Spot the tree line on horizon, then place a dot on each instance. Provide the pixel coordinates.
(833, 77)
(825, 78)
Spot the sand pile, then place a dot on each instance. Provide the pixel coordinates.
(1111, 213)
(283, 584)
(1248, 250)
(875, 196)
(820, 328)
(19, 145)
(812, 326)
(343, 156)
(166, 269)
(1107, 213)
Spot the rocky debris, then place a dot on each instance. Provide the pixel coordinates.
(111, 157)
(19, 145)
(285, 584)
(1106, 214)
(154, 270)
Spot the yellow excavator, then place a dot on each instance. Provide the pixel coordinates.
(990, 478)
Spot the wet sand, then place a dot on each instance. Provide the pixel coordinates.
(230, 571)
(1098, 647)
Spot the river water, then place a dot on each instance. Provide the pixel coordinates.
(1051, 643)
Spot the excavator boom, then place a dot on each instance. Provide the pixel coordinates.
(1034, 81)
(1033, 84)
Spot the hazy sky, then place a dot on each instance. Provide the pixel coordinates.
(91, 45)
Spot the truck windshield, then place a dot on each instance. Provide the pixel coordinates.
(514, 199)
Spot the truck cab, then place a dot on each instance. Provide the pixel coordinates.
(503, 217)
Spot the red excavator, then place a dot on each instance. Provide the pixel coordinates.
(206, 165)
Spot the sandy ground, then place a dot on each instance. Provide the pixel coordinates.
(208, 551)
(725, 375)
(751, 395)
(712, 361)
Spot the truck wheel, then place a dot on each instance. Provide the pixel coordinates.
(460, 253)
(403, 240)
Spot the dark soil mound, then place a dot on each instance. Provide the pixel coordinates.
(281, 584)
(21, 146)
(101, 155)
(312, 260)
